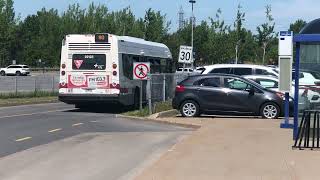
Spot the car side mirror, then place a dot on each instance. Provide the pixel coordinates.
(251, 91)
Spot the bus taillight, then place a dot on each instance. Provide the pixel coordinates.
(63, 66)
(63, 73)
(114, 66)
(115, 86)
(114, 73)
(63, 85)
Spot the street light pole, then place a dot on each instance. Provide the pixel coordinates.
(192, 24)
(237, 49)
(237, 46)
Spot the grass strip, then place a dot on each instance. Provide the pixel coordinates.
(28, 94)
(25, 101)
(158, 107)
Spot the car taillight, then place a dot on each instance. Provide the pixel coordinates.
(281, 95)
(180, 88)
(63, 85)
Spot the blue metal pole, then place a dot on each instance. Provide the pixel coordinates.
(296, 92)
(286, 123)
(287, 108)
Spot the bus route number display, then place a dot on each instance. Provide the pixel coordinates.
(141, 70)
(185, 55)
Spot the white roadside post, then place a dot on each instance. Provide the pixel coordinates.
(185, 56)
(285, 73)
(141, 70)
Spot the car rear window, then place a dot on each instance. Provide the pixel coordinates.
(25, 66)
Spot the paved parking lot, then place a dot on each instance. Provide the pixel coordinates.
(235, 148)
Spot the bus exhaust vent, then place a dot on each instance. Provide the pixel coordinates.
(89, 46)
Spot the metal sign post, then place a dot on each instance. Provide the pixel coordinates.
(140, 72)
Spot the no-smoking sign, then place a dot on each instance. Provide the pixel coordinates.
(141, 70)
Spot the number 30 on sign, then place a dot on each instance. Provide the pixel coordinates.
(185, 55)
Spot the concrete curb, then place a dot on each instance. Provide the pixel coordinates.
(170, 113)
(185, 125)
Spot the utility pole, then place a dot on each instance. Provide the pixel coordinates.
(237, 49)
(192, 26)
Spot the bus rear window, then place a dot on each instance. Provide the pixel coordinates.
(88, 61)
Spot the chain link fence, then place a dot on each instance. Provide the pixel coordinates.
(161, 87)
(21, 84)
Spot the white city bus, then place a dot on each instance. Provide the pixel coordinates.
(98, 68)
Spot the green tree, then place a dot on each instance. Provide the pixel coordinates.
(266, 32)
(7, 32)
(297, 26)
(156, 26)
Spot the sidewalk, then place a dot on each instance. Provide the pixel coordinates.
(236, 149)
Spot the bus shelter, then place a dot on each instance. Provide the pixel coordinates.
(306, 73)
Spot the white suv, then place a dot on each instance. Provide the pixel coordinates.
(240, 69)
(16, 70)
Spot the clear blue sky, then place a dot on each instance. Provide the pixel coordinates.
(284, 11)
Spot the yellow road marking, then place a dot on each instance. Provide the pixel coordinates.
(78, 124)
(54, 130)
(23, 139)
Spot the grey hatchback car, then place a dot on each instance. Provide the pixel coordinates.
(226, 94)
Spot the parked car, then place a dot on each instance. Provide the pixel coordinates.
(240, 69)
(226, 94)
(17, 70)
(186, 70)
(306, 97)
(307, 77)
(200, 70)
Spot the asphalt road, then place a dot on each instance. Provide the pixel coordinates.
(25, 127)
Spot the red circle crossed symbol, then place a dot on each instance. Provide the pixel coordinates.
(141, 71)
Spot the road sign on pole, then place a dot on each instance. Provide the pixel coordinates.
(141, 70)
(185, 55)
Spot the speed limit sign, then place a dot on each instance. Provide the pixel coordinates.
(185, 55)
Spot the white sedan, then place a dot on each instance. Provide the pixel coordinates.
(306, 97)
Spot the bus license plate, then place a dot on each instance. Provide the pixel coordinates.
(97, 81)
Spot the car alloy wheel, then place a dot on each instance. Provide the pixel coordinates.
(270, 111)
(190, 109)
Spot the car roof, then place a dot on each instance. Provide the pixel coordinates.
(236, 65)
(260, 77)
(216, 74)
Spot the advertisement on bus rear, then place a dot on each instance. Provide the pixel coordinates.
(88, 81)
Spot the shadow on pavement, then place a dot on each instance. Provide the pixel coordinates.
(104, 108)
